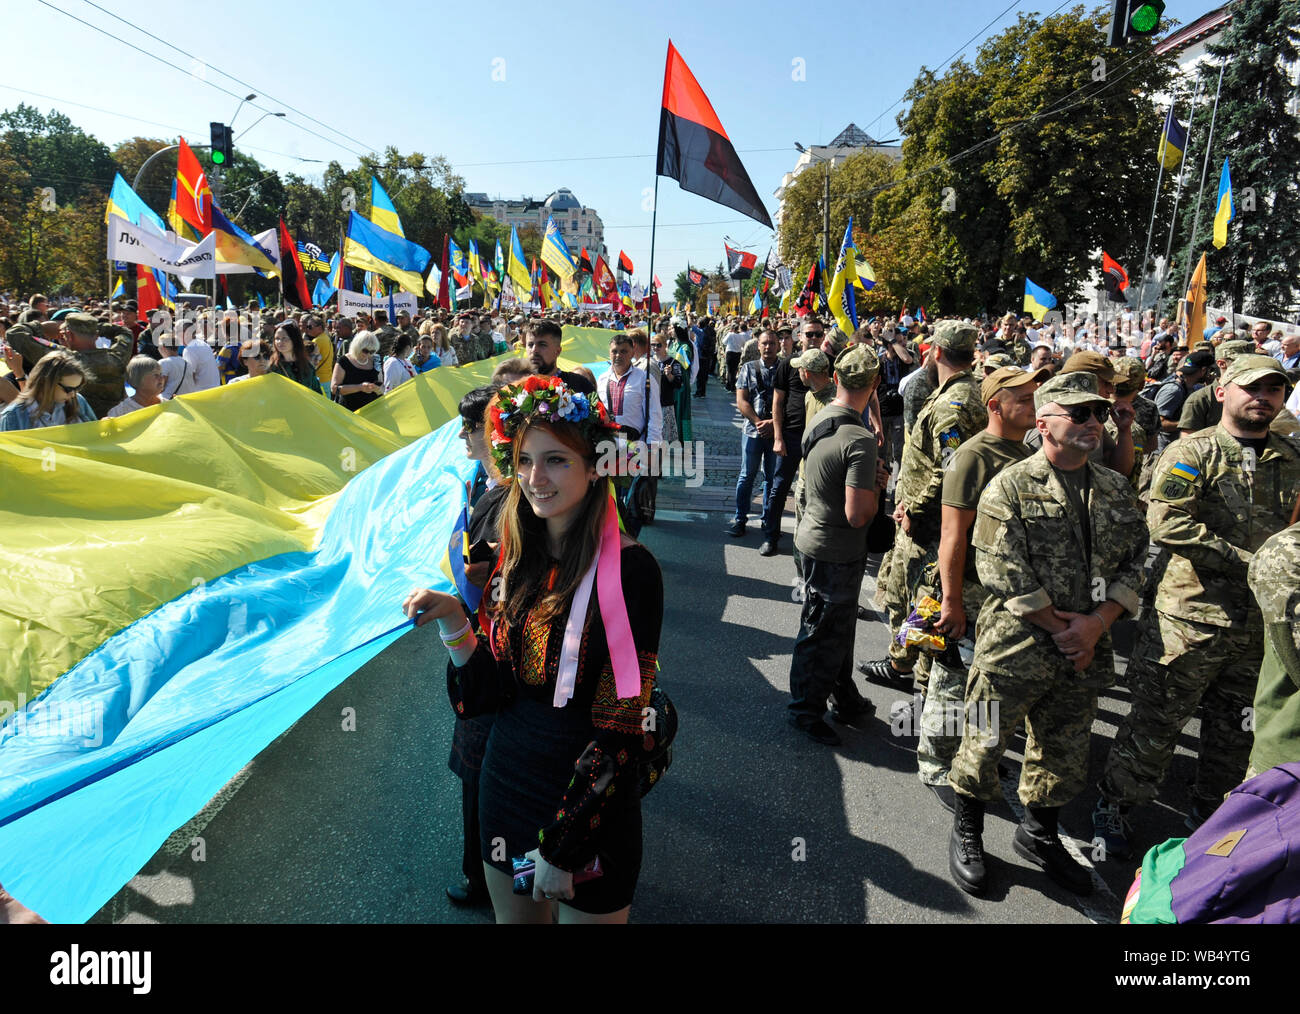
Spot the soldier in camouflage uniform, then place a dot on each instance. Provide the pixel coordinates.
(385, 332)
(917, 391)
(1202, 409)
(1059, 546)
(1115, 452)
(1130, 378)
(953, 413)
(1274, 577)
(78, 331)
(1216, 496)
(462, 341)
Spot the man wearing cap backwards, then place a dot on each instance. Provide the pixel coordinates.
(77, 332)
(843, 486)
(1114, 452)
(1008, 395)
(1059, 547)
(951, 415)
(1173, 393)
(1216, 496)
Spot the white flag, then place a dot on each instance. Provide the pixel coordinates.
(136, 245)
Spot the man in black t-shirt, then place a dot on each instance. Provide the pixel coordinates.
(788, 392)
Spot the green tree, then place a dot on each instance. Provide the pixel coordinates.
(854, 184)
(55, 153)
(156, 187)
(1256, 128)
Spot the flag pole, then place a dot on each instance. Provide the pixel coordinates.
(1154, 204)
(1178, 193)
(1205, 165)
(654, 218)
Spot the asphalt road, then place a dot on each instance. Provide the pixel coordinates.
(753, 822)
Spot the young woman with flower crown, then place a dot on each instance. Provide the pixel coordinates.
(573, 611)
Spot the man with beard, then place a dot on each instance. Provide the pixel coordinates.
(542, 346)
(1059, 547)
(1216, 496)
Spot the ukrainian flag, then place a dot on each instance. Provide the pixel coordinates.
(119, 290)
(1226, 210)
(459, 262)
(555, 252)
(367, 246)
(126, 203)
(1173, 141)
(382, 211)
(866, 280)
(1185, 472)
(517, 269)
(1038, 300)
(182, 228)
(336, 272)
(235, 246)
(843, 302)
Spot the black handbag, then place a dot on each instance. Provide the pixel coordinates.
(658, 744)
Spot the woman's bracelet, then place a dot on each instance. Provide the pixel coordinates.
(459, 637)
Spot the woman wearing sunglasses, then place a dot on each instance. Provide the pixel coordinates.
(51, 396)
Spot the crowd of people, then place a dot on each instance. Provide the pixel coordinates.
(1030, 485)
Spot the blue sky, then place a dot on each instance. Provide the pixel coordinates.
(522, 98)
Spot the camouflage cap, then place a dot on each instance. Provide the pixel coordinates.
(814, 361)
(1130, 375)
(956, 336)
(82, 322)
(1010, 376)
(1245, 370)
(997, 361)
(1090, 362)
(856, 367)
(1230, 350)
(1078, 388)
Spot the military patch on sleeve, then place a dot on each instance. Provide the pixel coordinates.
(1184, 471)
(1175, 487)
(950, 438)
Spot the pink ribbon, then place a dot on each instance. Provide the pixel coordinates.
(608, 567)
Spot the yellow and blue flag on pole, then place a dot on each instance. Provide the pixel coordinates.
(1037, 300)
(235, 246)
(843, 303)
(371, 248)
(517, 269)
(119, 290)
(1173, 141)
(126, 203)
(382, 211)
(866, 280)
(555, 252)
(1225, 210)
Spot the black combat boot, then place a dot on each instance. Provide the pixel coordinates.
(966, 846)
(1036, 840)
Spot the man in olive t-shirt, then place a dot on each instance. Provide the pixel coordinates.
(1008, 395)
(842, 486)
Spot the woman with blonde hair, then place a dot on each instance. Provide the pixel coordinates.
(52, 395)
(442, 346)
(567, 665)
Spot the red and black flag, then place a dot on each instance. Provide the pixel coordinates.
(694, 277)
(584, 263)
(624, 263)
(1115, 277)
(695, 150)
(740, 265)
(803, 305)
(291, 273)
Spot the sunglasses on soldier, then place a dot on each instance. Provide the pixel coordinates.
(1078, 414)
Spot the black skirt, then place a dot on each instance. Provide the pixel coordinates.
(527, 766)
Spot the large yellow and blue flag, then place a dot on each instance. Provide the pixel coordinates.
(1173, 141)
(382, 210)
(1037, 300)
(367, 246)
(126, 203)
(517, 269)
(475, 265)
(459, 263)
(866, 280)
(1225, 210)
(555, 252)
(843, 300)
(235, 246)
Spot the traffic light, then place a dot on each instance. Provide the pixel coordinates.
(223, 144)
(1132, 18)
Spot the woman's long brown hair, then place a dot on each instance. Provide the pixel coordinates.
(525, 562)
(46, 375)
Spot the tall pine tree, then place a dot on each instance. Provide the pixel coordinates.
(1258, 131)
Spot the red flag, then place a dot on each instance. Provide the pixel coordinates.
(293, 280)
(147, 294)
(695, 150)
(740, 265)
(193, 195)
(803, 305)
(624, 263)
(1115, 277)
(605, 280)
(584, 262)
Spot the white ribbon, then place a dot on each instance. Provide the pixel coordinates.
(567, 677)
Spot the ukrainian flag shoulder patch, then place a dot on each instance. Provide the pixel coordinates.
(1185, 472)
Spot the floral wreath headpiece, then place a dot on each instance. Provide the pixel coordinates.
(545, 398)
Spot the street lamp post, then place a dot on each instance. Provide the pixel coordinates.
(826, 199)
(257, 121)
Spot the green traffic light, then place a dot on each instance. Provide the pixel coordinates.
(218, 157)
(1145, 17)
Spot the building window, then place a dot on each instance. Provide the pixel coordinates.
(588, 228)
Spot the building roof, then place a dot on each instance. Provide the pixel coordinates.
(853, 136)
(563, 200)
(1206, 24)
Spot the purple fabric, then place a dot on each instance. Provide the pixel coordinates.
(1260, 881)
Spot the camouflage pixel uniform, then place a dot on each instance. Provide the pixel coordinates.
(107, 366)
(1274, 576)
(1029, 551)
(951, 415)
(1203, 643)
